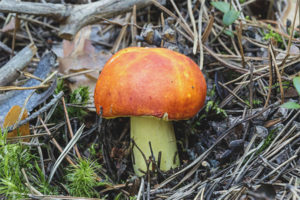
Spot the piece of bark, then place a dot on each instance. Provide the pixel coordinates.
(18, 97)
(58, 11)
(9, 71)
(73, 17)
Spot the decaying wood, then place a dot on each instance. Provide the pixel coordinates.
(9, 72)
(73, 17)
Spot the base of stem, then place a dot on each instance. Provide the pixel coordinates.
(161, 135)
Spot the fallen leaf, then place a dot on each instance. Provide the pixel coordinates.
(80, 55)
(11, 118)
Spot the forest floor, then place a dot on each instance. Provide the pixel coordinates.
(243, 144)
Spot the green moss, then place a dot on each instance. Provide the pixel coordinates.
(81, 179)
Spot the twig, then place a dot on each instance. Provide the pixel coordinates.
(132, 27)
(141, 189)
(55, 142)
(9, 88)
(277, 72)
(9, 72)
(73, 17)
(201, 59)
(64, 153)
(69, 126)
(195, 34)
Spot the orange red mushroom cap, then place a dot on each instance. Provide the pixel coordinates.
(155, 82)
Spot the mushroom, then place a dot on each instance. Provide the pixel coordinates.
(152, 86)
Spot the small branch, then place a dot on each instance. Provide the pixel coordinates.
(73, 17)
(41, 9)
(9, 72)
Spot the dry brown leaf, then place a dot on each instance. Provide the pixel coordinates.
(11, 118)
(80, 55)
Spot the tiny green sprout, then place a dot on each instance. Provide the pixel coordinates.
(255, 102)
(92, 150)
(213, 105)
(272, 35)
(59, 86)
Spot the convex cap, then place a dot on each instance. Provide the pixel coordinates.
(155, 82)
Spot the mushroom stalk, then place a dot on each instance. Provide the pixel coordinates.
(161, 135)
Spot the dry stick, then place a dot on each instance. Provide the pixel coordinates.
(270, 77)
(277, 168)
(283, 143)
(277, 72)
(79, 73)
(195, 34)
(241, 160)
(55, 142)
(251, 88)
(220, 41)
(266, 152)
(262, 45)
(188, 29)
(291, 36)
(9, 71)
(208, 28)
(233, 93)
(238, 58)
(73, 17)
(239, 34)
(230, 97)
(141, 190)
(258, 71)
(234, 45)
(38, 22)
(5, 48)
(133, 28)
(162, 19)
(26, 179)
(201, 59)
(229, 65)
(260, 24)
(17, 24)
(29, 33)
(70, 127)
(269, 165)
(5, 88)
(40, 153)
(121, 35)
(29, 75)
(42, 85)
(185, 27)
